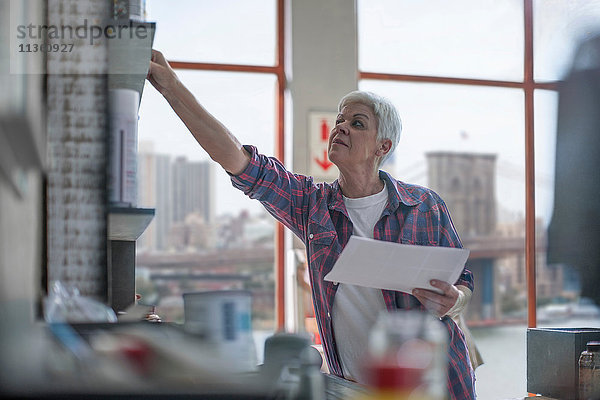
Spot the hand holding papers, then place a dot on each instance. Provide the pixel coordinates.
(394, 266)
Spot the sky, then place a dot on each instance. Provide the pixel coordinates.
(436, 37)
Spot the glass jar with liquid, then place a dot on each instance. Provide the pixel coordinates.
(407, 357)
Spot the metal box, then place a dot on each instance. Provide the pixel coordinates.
(552, 360)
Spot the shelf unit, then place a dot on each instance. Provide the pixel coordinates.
(128, 65)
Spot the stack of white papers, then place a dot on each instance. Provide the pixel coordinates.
(394, 266)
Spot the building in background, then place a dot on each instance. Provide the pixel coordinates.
(186, 248)
(177, 189)
(193, 189)
(466, 182)
(164, 213)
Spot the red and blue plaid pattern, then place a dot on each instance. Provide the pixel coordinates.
(317, 215)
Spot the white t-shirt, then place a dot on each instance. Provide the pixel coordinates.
(355, 308)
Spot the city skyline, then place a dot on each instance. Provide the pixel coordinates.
(184, 197)
(509, 174)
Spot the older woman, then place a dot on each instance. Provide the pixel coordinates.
(363, 201)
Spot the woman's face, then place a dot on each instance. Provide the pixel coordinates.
(353, 139)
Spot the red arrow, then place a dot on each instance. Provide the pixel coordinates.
(324, 163)
(324, 130)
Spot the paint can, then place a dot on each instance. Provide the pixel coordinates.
(223, 319)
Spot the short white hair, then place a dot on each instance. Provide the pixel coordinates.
(389, 124)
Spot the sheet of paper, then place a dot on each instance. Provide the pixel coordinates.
(394, 266)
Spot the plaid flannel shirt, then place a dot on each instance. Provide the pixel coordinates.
(317, 215)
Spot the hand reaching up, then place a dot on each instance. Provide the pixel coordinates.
(160, 73)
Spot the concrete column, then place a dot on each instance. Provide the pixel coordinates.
(324, 64)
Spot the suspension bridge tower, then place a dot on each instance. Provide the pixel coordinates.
(466, 182)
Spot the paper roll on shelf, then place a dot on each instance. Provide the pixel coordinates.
(122, 174)
(137, 10)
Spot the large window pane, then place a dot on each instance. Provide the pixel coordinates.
(467, 143)
(243, 102)
(464, 39)
(558, 285)
(224, 31)
(559, 26)
(206, 235)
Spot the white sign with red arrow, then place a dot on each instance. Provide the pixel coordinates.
(319, 125)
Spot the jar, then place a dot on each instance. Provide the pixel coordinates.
(589, 372)
(407, 357)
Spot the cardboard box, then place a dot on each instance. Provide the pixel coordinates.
(552, 360)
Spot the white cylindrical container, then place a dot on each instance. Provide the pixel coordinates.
(122, 174)
(223, 319)
(137, 10)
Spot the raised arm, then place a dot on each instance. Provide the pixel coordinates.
(214, 137)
